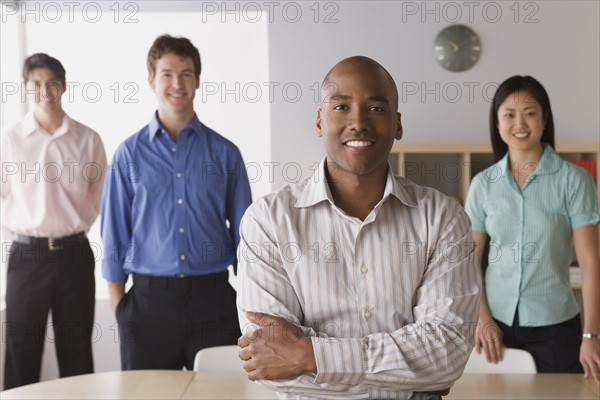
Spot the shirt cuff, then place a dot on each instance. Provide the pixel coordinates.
(113, 272)
(338, 360)
(477, 226)
(584, 219)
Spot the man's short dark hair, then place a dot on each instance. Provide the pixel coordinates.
(179, 46)
(42, 60)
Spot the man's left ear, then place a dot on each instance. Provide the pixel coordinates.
(399, 129)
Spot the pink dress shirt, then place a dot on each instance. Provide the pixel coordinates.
(51, 183)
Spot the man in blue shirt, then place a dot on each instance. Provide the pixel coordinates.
(173, 200)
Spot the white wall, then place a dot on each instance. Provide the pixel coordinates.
(106, 50)
(106, 69)
(111, 57)
(561, 49)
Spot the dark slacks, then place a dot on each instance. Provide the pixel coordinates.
(163, 322)
(555, 348)
(40, 280)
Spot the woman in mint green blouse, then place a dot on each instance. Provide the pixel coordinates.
(534, 206)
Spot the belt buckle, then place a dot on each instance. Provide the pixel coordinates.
(52, 246)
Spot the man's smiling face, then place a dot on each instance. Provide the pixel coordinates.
(358, 119)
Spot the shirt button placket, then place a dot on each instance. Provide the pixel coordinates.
(519, 246)
(179, 196)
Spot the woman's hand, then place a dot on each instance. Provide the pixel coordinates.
(589, 357)
(488, 337)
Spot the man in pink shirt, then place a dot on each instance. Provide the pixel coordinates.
(52, 175)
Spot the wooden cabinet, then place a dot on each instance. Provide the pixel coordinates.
(449, 167)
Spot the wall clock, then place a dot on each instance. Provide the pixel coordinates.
(457, 48)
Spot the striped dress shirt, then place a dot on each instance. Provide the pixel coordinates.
(390, 303)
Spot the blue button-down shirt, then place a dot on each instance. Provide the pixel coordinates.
(173, 209)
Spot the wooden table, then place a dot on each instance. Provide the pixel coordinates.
(145, 384)
(233, 385)
(524, 387)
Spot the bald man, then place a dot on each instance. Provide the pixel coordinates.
(379, 297)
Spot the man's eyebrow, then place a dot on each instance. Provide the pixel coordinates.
(381, 99)
(171, 70)
(41, 80)
(337, 97)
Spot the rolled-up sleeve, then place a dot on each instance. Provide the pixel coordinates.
(582, 198)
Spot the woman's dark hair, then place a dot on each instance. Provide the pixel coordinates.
(41, 60)
(535, 89)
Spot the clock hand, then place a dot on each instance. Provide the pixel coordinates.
(460, 46)
(455, 47)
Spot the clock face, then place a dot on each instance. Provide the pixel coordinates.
(457, 48)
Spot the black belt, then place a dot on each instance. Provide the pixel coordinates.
(50, 242)
(170, 281)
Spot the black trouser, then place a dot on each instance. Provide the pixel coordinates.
(39, 280)
(163, 322)
(555, 348)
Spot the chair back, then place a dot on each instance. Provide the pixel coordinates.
(218, 359)
(514, 361)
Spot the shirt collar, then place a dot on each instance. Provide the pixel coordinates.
(317, 189)
(549, 163)
(154, 127)
(30, 125)
(398, 190)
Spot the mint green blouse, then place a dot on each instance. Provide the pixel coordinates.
(531, 236)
